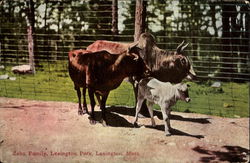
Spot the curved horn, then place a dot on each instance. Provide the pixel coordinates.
(184, 47)
(131, 51)
(134, 44)
(191, 66)
(178, 49)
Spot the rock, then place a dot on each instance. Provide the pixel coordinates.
(236, 116)
(211, 75)
(227, 105)
(22, 69)
(2, 67)
(4, 77)
(216, 85)
(12, 78)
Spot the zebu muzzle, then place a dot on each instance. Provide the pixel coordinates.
(191, 75)
(187, 99)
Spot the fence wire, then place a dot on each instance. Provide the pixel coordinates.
(217, 30)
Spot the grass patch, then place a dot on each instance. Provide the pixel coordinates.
(52, 83)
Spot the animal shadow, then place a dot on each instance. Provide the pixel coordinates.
(23, 107)
(175, 131)
(122, 110)
(180, 118)
(113, 120)
(130, 111)
(233, 154)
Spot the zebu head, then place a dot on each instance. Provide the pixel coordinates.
(145, 46)
(141, 67)
(73, 58)
(172, 66)
(184, 61)
(182, 93)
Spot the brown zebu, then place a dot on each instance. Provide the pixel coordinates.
(103, 72)
(78, 77)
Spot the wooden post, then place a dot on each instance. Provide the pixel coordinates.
(115, 17)
(140, 25)
(140, 18)
(30, 32)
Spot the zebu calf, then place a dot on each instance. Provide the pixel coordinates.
(162, 93)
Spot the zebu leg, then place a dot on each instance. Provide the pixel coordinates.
(92, 103)
(150, 109)
(80, 112)
(144, 109)
(138, 108)
(85, 108)
(103, 108)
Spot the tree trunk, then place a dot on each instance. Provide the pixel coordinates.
(114, 18)
(140, 18)
(140, 24)
(30, 32)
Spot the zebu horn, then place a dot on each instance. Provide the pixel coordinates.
(184, 47)
(134, 44)
(179, 47)
(131, 46)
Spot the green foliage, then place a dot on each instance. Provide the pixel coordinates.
(54, 84)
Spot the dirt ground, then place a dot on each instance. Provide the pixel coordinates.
(38, 131)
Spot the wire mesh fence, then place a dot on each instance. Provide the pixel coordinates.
(217, 30)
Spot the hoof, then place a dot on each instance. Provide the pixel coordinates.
(153, 125)
(168, 134)
(92, 122)
(85, 111)
(80, 112)
(104, 124)
(136, 125)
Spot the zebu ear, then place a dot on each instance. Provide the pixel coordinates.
(180, 87)
(179, 47)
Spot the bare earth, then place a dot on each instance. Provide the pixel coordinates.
(38, 131)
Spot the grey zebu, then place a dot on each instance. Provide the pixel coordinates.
(162, 93)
